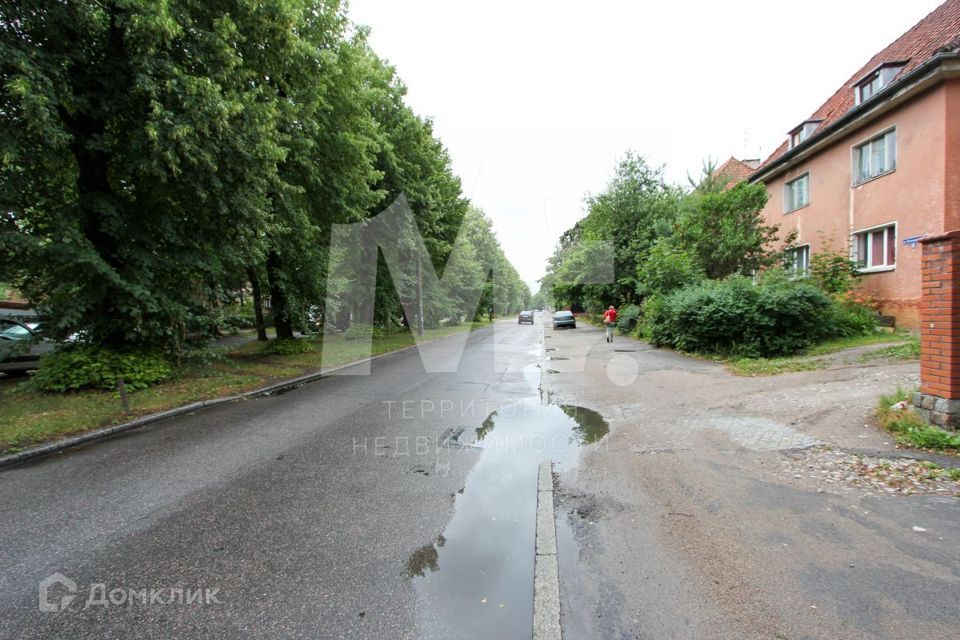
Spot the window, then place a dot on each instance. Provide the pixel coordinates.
(876, 248)
(875, 157)
(797, 193)
(873, 83)
(804, 131)
(797, 261)
(866, 90)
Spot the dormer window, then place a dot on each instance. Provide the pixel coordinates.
(803, 132)
(877, 80)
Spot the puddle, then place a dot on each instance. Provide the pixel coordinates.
(476, 580)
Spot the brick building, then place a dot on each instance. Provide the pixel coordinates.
(877, 166)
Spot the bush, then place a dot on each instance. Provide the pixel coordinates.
(667, 269)
(833, 271)
(359, 330)
(851, 319)
(90, 367)
(775, 317)
(628, 317)
(288, 347)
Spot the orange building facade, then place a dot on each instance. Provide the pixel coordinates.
(877, 167)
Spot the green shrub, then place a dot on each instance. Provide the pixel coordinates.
(288, 347)
(774, 317)
(89, 367)
(359, 330)
(667, 269)
(851, 319)
(628, 317)
(833, 271)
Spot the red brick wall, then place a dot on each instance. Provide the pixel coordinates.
(940, 316)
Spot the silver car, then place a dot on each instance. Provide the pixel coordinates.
(564, 319)
(21, 345)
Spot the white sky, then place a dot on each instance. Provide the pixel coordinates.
(536, 100)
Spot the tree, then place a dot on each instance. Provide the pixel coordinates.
(132, 161)
(725, 231)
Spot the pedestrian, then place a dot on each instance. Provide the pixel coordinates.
(610, 321)
(490, 313)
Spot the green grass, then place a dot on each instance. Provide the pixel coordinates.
(29, 417)
(840, 344)
(808, 361)
(909, 350)
(911, 429)
(772, 366)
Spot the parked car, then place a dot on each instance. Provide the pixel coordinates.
(21, 345)
(564, 319)
(525, 316)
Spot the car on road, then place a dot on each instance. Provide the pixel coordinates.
(525, 316)
(564, 319)
(21, 345)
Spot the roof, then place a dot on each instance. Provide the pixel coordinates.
(736, 171)
(938, 32)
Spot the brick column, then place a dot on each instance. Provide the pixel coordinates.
(939, 396)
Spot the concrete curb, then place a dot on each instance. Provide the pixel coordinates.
(546, 580)
(107, 432)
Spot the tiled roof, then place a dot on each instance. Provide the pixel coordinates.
(939, 31)
(736, 171)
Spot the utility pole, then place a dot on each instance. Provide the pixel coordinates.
(419, 299)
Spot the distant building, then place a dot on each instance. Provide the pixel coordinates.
(878, 165)
(737, 171)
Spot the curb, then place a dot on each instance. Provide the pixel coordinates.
(546, 580)
(102, 433)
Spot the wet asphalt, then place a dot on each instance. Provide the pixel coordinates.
(294, 516)
(692, 520)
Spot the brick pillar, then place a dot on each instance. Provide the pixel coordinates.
(939, 396)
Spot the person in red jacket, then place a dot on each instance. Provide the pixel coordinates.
(610, 321)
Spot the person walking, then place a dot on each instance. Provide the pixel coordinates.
(610, 321)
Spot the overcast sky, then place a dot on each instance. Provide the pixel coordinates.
(536, 100)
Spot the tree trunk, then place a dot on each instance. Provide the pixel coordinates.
(257, 304)
(278, 298)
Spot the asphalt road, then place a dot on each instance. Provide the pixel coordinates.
(399, 505)
(300, 513)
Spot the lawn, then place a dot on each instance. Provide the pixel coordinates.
(29, 417)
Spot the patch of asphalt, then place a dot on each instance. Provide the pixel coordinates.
(102, 433)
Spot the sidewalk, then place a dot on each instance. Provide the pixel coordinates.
(719, 506)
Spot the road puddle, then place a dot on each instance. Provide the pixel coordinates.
(476, 580)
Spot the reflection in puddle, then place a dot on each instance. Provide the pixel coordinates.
(590, 425)
(424, 559)
(477, 581)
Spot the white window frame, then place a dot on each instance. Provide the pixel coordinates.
(791, 263)
(868, 232)
(890, 157)
(874, 77)
(789, 202)
(883, 75)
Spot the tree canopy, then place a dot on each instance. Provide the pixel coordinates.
(157, 157)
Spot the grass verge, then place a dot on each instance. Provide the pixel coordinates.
(912, 430)
(905, 347)
(28, 416)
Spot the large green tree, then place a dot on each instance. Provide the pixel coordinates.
(134, 163)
